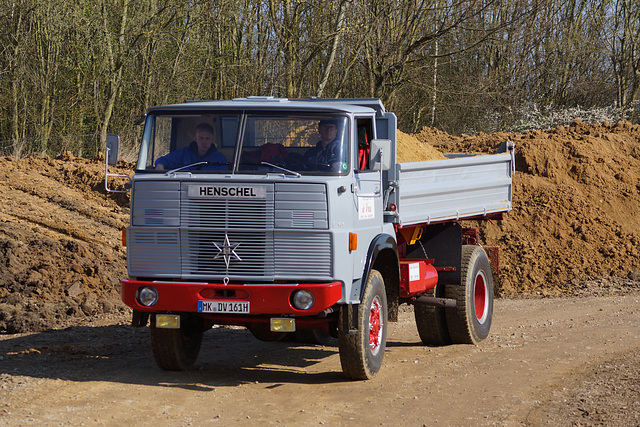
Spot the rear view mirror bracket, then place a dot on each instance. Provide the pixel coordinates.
(111, 158)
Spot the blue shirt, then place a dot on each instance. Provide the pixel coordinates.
(189, 154)
(323, 159)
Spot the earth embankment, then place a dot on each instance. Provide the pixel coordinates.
(574, 228)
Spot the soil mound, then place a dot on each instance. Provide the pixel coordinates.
(576, 209)
(60, 242)
(576, 220)
(411, 149)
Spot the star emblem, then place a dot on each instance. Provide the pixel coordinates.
(227, 251)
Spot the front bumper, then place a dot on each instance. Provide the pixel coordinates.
(264, 299)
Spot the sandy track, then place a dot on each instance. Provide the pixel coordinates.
(533, 370)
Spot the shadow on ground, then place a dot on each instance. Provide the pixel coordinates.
(121, 353)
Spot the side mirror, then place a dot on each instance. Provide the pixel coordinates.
(113, 146)
(111, 158)
(380, 154)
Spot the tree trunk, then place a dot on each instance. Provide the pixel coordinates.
(334, 48)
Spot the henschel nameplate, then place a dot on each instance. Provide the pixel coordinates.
(228, 191)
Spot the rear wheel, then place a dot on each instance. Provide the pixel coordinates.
(470, 321)
(263, 332)
(362, 351)
(313, 336)
(431, 320)
(177, 349)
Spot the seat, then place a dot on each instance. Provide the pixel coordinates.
(364, 147)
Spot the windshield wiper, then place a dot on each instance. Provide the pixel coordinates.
(195, 164)
(296, 174)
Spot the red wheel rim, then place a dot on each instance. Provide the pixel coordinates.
(375, 326)
(480, 296)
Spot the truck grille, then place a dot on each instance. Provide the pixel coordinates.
(248, 253)
(254, 254)
(227, 214)
(238, 238)
(306, 254)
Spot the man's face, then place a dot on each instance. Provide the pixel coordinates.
(204, 140)
(328, 132)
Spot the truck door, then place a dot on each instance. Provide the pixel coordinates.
(368, 197)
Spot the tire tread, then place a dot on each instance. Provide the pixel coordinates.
(170, 349)
(354, 347)
(431, 321)
(460, 323)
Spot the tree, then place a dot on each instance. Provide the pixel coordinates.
(625, 50)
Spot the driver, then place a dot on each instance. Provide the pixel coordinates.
(327, 154)
(202, 149)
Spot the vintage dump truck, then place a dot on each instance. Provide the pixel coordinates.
(293, 218)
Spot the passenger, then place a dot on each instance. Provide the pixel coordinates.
(328, 152)
(202, 149)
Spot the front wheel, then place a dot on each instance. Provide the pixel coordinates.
(362, 350)
(177, 349)
(470, 321)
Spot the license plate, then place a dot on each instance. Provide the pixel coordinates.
(234, 307)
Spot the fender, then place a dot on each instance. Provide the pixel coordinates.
(380, 243)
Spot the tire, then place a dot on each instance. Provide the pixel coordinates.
(470, 321)
(313, 336)
(361, 353)
(431, 320)
(263, 332)
(177, 349)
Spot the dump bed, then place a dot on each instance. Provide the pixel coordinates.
(458, 187)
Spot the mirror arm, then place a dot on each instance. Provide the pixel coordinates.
(113, 175)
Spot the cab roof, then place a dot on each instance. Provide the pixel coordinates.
(351, 105)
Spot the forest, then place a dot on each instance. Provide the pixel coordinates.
(73, 71)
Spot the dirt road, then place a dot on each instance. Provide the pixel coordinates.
(563, 361)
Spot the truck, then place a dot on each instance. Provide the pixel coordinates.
(272, 230)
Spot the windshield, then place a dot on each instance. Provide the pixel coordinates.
(173, 141)
(209, 143)
(297, 143)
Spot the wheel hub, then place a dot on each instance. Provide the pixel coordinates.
(480, 297)
(375, 326)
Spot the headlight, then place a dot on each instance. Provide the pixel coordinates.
(303, 300)
(147, 296)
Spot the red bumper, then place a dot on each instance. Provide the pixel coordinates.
(263, 299)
